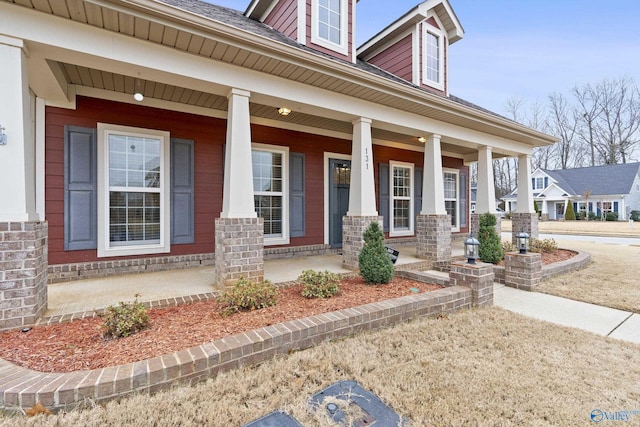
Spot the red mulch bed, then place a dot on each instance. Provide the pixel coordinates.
(78, 345)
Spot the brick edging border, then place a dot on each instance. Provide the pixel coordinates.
(577, 262)
(21, 388)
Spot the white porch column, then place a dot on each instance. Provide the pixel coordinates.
(525, 192)
(17, 157)
(486, 193)
(239, 231)
(362, 198)
(432, 179)
(237, 198)
(525, 217)
(433, 225)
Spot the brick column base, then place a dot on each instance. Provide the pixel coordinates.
(523, 271)
(23, 273)
(479, 277)
(433, 233)
(239, 249)
(526, 221)
(353, 228)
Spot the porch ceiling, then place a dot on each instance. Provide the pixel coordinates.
(160, 23)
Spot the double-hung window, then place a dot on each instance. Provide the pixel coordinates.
(329, 24)
(433, 58)
(133, 191)
(452, 197)
(401, 179)
(270, 190)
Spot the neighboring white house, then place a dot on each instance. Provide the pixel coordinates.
(597, 189)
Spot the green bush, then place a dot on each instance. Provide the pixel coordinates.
(635, 215)
(535, 206)
(247, 295)
(611, 216)
(570, 214)
(592, 216)
(543, 246)
(374, 262)
(319, 284)
(580, 215)
(490, 246)
(124, 319)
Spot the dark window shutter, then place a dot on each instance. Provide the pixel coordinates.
(615, 207)
(80, 188)
(383, 190)
(464, 205)
(417, 194)
(296, 195)
(182, 191)
(533, 183)
(546, 182)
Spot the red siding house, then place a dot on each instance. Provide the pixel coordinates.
(150, 134)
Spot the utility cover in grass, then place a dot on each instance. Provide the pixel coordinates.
(275, 419)
(347, 403)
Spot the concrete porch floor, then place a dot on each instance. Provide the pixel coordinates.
(94, 294)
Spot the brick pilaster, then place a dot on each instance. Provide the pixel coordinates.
(353, 228)
(239, 249)
(479, 277)
(523, 271)
(526, 221)
(23, 273)
(433, 233)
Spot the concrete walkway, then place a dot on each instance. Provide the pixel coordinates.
(605, 321)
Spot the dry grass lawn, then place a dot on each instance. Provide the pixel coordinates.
(610, 280)
(605, 228)
(479, 367)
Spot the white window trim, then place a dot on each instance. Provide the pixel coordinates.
(454, 228)
(541, 186)
(284, 239)
(343, 47)
(104, 249)
(392, 231)
(426, 28)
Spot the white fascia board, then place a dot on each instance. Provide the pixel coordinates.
(80, 44)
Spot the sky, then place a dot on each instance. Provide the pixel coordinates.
(524, 49)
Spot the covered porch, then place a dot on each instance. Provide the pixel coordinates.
(164, 288)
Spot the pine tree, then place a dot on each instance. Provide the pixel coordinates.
(374, 262)
(570, 214)
(490, 246)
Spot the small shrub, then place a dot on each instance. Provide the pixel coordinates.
(570, 213)
(536, 207)
(374, 262)
(247, 295)
(580, 216)
(592, 216)
(507, 246)
(543, 246)
(490, 246)
(635, 215)
(611, 216)
(124, 319)
(319, 284)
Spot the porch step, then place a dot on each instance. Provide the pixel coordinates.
(426, 276)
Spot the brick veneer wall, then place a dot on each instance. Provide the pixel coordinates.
(23, 273)
(527, 222)
(523, 271)
(434, 238)
(22, 388)
(479, 277)
(239, 249)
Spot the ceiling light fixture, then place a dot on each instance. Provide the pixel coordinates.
(422, 139)
(284, 111)
(138, 96)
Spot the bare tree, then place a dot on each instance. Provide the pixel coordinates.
(588, 110)
(563, 123)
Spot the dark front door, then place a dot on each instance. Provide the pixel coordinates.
(339, 178)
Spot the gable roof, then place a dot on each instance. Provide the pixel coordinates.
(600, 180)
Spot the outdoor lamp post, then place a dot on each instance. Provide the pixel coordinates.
(471, 246)
(522, 241)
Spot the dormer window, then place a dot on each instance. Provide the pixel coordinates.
(329, 24)
(433, 58)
